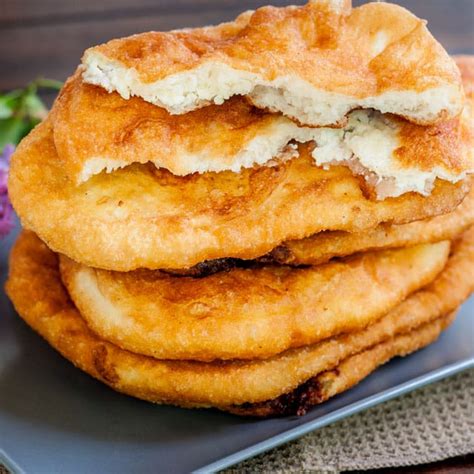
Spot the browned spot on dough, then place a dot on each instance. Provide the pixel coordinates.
(105, 370)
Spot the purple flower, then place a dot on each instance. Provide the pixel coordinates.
(6, 209)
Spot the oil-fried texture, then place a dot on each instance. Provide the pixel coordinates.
(144, 217)
(313, 63)
(246, 313)
(466, 66)
(35, 288)
(323, 246)
(402, 156)
(225, 137)
(347, 374)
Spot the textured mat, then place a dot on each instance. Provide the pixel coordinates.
(430, 424)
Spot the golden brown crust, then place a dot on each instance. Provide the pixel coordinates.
(428, 147)
(324, 246)
(347, 374)
(247, 313)
(466, 66)
(321, 247)
(142, 217)
(92, 124)
(338, 52)
(448, 145)
(36, 291)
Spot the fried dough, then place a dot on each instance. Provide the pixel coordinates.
(348, 373)
(466, 66)
(246, 313)
(394, 155)
(321, 247)
(144, 217)
(37, 293)
(313, 63)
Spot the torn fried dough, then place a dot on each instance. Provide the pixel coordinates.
(313, 63)
(393, 155)
(144, 217)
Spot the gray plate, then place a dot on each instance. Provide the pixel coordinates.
(55, 419)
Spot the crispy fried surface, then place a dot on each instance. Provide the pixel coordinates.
(466, 66)
(142, 217)
(246, 313)
(321, 247)
(313, 63)
(403, 156)
(134, 131)
(347, 374)
(35, 288)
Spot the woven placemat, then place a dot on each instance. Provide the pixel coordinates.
(430, 424)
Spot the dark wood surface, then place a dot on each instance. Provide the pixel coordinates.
(47, 37)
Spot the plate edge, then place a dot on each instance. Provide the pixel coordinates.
(364, 404)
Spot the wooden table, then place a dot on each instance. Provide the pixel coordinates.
(46, 38)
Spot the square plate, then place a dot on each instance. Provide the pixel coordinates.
(54, 418)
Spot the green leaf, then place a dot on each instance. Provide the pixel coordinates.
(12, 130)
(14, 94)
(33, 106)
(22, 109)
(5, 110)
(8, 104)
(48, 83)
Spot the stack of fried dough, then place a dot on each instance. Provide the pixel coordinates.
(252, 216)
